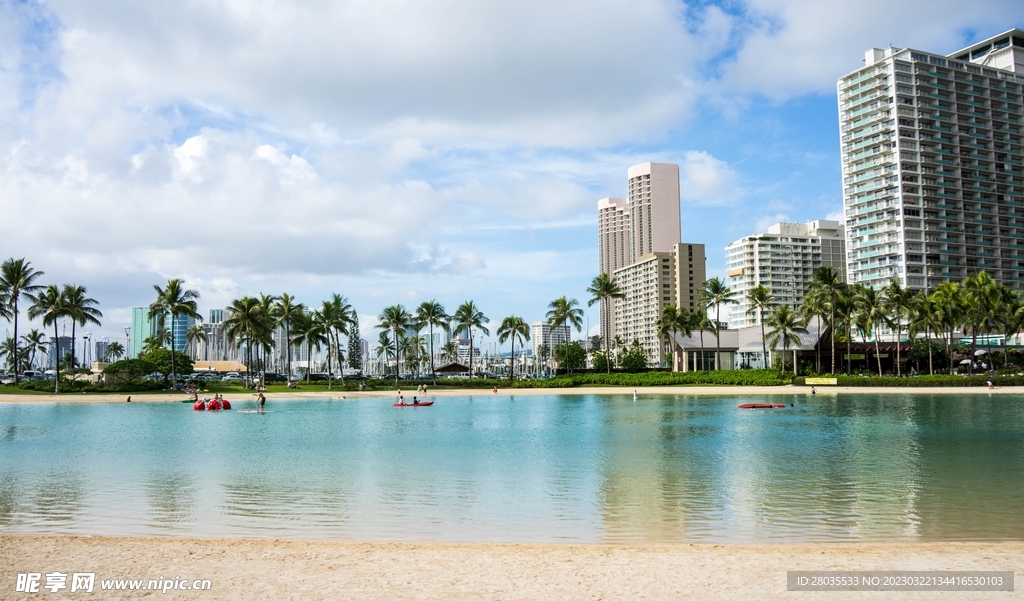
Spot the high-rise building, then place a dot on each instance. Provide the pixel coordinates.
(101, 349)
(653, 209)
(784, 259)
(542, 333)
(638, 242)
(931, 157)
(656, 280)
(142, 328)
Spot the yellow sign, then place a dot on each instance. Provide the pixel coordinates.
(820, 381)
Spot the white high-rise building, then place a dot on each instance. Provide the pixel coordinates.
(542, 333)
(931, 157)
(784, 259)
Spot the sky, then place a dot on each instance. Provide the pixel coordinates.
(395, 151)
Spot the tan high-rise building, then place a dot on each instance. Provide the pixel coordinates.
(653, 208)
(656, 280)
(638, 242)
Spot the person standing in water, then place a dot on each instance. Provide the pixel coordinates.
(262, 399)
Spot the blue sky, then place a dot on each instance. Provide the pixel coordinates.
(395, 152)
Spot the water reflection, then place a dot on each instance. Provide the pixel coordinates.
(580, 468)
(172, 501)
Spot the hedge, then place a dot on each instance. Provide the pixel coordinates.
(921, 381)
(653, 378)
(84, 386)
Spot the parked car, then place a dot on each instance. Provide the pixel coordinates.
(272, 377)
(318, 377)
(7, 380)
(233, 377)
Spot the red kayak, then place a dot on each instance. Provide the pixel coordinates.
(762, 406)
(423, 404)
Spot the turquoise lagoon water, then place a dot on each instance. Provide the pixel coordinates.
(526, 469)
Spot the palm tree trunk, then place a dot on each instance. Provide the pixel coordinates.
(73, 324)
(470, 354)
(764, 345)
(16, 371)
(512, 369)
(899, 334)
(56, 380)
(928, 341)
(785, 351)
(832, 332)
(702, 367)
(849, 359)
(949, 349)
(398, 351)
(174, 372)
(878, 358)
(329, 351)
(433, 374)
(288, 341)
(718, 341)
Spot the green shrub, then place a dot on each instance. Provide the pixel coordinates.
(944, 380)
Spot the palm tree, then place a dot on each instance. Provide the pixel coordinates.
(785, 324)
(306, 330)
(871, 311)
(34, 341)
(339, 323)
(175, 300)
(430, 314)
(701, 322)
(17, 277)
(385, 348)
(716, 293)
(603, 289)
(49, 305)
(115, 350)
(982, 298)
(923, 315)
(286, 311)
(816, 305)
(81, 309)
(10, 351)
(450, 351)
(949, 298)
(828, 282)
(1010, 317)
(564, 311)
(396, 319)
(193, 336)
(674, 320)
(845, 310)
(244, 324)
(898, 301)
(467, 317)
(759, 300)
(513, 327)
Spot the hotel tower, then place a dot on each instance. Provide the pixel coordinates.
(639, 245)
(931, 159)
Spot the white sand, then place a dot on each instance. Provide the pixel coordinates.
(246, 569)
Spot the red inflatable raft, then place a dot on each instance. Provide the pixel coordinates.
(224, 403)
(423, 404)
(762, 406)
(199, 405)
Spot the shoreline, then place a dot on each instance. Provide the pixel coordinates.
(823, 391)
(275, 569)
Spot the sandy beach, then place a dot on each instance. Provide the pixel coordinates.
(270, 569)
(823, 391)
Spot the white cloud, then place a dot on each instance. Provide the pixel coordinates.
(706, 180)
(792, 47)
